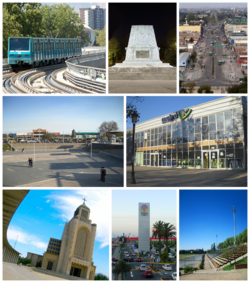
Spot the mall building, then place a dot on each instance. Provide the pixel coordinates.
(212, 135)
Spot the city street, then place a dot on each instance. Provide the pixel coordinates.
(136, 274)
(211, 49)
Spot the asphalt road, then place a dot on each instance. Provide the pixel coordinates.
(59, 169)
(136, 274)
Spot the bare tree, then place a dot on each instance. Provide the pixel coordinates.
(108, 126)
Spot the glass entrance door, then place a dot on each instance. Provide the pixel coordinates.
(205, 159)
(154, 159)
(210, 159)
(214, 159)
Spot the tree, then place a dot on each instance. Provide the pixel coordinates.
(100, 37)
(205, 89)
(193, 56)
(190, 86)
(239, 88)
(23, 260)
(164, 256)
(158, 231)
(121, 268)
(114, 51)
(73, 134)
(191, 40)
(169, 232)
(131, 108)
(48, 136)
(123, 239)
(101, 277)
(108, 126)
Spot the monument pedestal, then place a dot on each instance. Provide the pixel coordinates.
(142, 50)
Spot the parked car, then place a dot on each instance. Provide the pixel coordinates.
(125, 259)
(114, 259)
(147, 273)
(174, 275)
(130, 259)
(32, 141)
(133, 254)
(55, 140)
(138, 259)
(143, 267)
(167, 267)
(37, 141)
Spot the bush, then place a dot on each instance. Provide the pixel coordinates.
(189, 269)
(181, 268)
(30, 265)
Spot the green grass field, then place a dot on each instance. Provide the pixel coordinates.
(182, 256)
(231, 266)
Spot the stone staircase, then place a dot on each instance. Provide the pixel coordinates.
(143, 73)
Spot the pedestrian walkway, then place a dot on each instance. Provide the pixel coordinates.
(177, 177)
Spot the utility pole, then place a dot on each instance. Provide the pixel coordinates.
(234, 210)
(16, 241)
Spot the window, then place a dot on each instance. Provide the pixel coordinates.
(19, 44)
(220, 117)
(211, 119)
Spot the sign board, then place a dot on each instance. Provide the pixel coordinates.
(142, 54)
(56, 134)
(11, 135)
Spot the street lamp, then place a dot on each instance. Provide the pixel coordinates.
(234, 210)
(134, 120)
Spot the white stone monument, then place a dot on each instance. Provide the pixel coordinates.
(142, 50)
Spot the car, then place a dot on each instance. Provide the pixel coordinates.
(138, 259)
(156, 253)
(148, 273)
(37, 141)
(130, 259)
(55, 140)
(167, 267)
(125, 259)
(133, 254)
(174, 275)
(114, 259)
(32, 141)
(143, 267)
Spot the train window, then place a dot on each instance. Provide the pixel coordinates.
(52, 46)
(38, 46)
(41, 46)
(45, 46)
(34, 46)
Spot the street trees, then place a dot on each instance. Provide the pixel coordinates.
(205, 89)
(169, 231)
(114, 51)
(190, 86)
(73, 134)
(100, 37)
(158, 231)
(121, 268)
(108, 126)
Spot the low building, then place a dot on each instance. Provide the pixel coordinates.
(35, 258)
(184, 59)
(212, 135)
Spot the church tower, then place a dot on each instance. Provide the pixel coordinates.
(76, 246)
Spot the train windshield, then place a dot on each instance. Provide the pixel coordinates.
(19, 44)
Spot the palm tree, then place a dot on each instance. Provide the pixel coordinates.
(169, 232)
(158, 230)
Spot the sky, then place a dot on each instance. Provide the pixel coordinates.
(76, 6)
(123, 15)
(207, 213)
(125, 209)
(213, 5)
(43, 214)
(155, 106)
(23, 114)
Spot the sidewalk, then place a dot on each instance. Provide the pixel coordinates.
(177, 177)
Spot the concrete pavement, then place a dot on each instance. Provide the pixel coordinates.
(178, 177)
(190, 261)
(142, 86)
(60, 169)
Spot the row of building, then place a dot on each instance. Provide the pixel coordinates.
(39, 133)
(94, 17)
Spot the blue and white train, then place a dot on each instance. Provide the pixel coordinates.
(35, 51)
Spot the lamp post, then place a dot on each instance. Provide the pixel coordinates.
(134, 120)
(234, 210)
(216, 242)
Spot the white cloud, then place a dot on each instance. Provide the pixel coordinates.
(24, 237)
(48, 200)
(98, 201)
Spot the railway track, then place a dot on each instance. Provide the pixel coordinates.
(52, 78)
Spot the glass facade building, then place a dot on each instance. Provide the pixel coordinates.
(212, 136)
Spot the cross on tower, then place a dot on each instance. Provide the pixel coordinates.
(84, 200)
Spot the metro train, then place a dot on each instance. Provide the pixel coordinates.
(30, 52)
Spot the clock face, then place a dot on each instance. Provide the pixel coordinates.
(142, 54)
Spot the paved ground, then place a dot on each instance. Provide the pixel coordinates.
(60, 169)
(240, 274)
(13, 272)
(190, 261)
(175, 177)
(126, 86)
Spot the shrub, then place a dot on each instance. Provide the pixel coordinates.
(30, 265)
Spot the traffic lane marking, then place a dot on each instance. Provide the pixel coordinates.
(10, 169)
